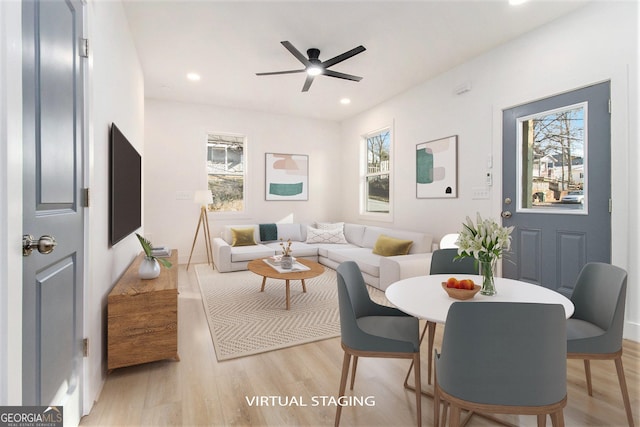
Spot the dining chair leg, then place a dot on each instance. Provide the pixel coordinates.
(353, 372)
(343, 384)
(454, 415)
(587, 373)
(436, 402)
(557, 418)
(416, 362)
(542, 420)
(431, 326)
(424, 331)
(623, 389)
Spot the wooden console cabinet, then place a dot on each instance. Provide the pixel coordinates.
(142, 317)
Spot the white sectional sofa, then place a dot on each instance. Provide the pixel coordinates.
(357, 243)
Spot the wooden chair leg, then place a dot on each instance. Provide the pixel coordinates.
(454, 416)
(431, 326)
(557, 418)
(353, 372)
(416, 367)
(343, 384)
(623, 389)
(587, 373)
(436, 402)
(542, 420)
(427, 326)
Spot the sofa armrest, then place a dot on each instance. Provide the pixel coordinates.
(221, 255)
(400, 267)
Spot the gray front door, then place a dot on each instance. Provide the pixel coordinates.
(52, 178)
(557, 186)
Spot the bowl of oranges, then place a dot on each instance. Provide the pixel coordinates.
(460, 289)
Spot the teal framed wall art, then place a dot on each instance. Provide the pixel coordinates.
(286, 176)
(437, 168)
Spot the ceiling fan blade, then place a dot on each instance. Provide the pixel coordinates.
(271, 73)
(307, 83)
(342, 57)
(295, 52)
(341, 75)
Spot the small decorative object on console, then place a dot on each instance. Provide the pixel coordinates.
(149, 267)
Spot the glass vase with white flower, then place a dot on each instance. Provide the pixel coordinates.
(286, 260)
(486, 241)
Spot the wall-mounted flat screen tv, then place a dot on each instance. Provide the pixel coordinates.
(125, 187)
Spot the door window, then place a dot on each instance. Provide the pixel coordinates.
(552, 149)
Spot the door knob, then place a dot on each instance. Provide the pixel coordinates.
(45, 244)
(506, 214)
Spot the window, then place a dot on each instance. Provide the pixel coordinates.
(377, 176)
(225, 172)
(553, 150)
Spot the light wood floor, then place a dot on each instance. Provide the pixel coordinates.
(199, 390)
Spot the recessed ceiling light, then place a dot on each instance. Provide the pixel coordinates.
(517, 2)
(194, 77)
(345, 101)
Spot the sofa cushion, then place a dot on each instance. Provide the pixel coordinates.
(367, 261)
(243, 236)
(421, 241)
(315, 235)
(329, 225)
(248, 253)
(354, 233)
(289, 231)
(390, 246)
(227, 235)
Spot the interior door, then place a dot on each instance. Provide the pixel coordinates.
(52, 176)
(557, 186)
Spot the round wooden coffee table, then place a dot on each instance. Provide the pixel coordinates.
(261, 268)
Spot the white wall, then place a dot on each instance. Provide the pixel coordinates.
(116, 95)
(175, 161)
(597, 43)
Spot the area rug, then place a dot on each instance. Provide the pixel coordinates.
(244, 321)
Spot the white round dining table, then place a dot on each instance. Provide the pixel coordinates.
(424, 298)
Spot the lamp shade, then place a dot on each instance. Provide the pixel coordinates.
(203, 197)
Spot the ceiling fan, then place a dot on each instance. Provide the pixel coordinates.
(315, 67)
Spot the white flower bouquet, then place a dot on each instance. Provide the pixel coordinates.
(485, 241)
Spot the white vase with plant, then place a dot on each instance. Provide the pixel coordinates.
(286, 261)
(486, 241)
(150, 264)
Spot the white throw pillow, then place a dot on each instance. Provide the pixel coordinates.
(330, 225)
(289, 231)
(315, 235)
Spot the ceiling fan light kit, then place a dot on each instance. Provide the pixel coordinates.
(314, 67)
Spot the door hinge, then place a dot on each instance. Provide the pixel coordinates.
(85, 347)
(84, 198)
(610, 205)
(609, 106)
(84, 48)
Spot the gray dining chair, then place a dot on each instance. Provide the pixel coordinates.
(502, 358)
(594, 332)
(369, 329)
(442, 262)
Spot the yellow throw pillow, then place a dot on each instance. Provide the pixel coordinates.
(390, 246)
(243, 237)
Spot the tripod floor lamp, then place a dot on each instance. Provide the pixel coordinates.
(203, 198)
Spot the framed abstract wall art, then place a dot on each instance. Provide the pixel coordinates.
(437, 168)
(287, 176)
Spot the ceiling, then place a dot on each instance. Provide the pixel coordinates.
(228, 42)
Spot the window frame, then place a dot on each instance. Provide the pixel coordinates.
(364, 175)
